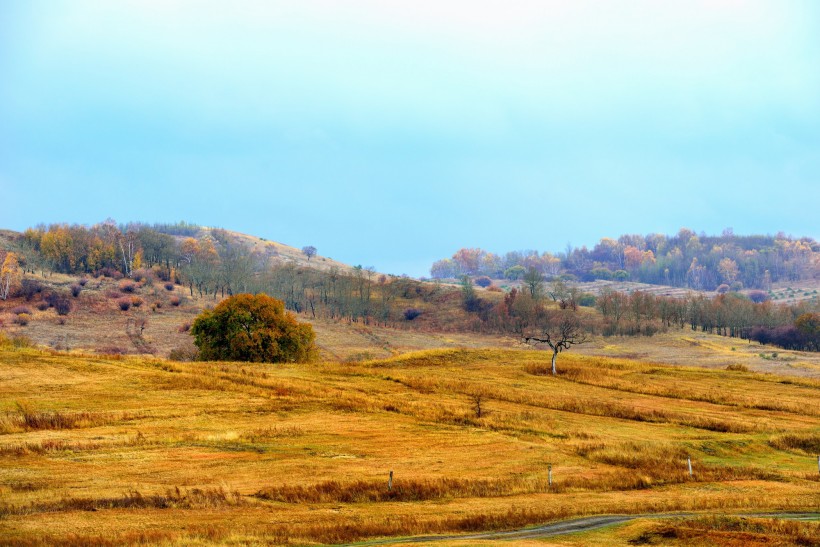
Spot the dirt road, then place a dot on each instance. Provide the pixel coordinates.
(584, 524)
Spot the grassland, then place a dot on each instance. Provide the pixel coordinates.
(99, 449)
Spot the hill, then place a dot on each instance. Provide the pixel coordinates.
(101, 450)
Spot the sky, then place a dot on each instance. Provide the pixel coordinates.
(392, 133)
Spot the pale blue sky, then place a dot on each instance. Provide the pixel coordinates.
(392, 133)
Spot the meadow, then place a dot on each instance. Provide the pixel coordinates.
(113, 449)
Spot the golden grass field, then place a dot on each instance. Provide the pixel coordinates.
(103, 450)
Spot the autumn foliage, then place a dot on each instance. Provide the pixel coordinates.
(255, 328)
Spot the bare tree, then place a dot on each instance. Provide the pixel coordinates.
(563, 329)
(309, 251)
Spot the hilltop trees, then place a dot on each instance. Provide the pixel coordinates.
(686, 260)
(253, 328)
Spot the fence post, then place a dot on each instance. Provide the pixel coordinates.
(549, 474)
(689, 463)
(390, 482)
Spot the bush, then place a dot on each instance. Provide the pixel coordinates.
(483, 281)
(411, 313)
(42, 306)
(723, 288)
(29, 288)
(124, 303)
(75, 290)
(22, 319)
(255, 328)
(184, 353)
(758, 296)
(169, 286)
(109, 272)
(82, 282)
(143, 274)
(175, 301)
(136, 301)
(586, 300)
(185, 327)
(62, 305)
(126, 285)
(19, 310)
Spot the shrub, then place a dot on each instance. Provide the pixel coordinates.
(19, 310)
(75, 290)
(185, 327)
(758, 296)
(738, 367)
(61, 320)
(42, 306)
(142, 275)
(175, 301)
(587, 300)
(256, 328)
(184, 353)
(411, 313)
(126, 285)
(723, 288)
(124, 303)
(136, 301)
(22, 319)
(169, 286)
(29, 288)
(109, 272)
(62, 305)
(82, 281)
(483, 281)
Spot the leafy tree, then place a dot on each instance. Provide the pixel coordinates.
(10, 276)
(309, 251)
(255, 328)
(534, 281)
(515, 272)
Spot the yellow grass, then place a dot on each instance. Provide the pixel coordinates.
(102, 450)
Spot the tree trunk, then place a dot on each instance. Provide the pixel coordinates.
(554, 355)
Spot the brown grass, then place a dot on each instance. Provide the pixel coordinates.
(308, 448)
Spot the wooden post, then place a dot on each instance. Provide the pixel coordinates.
(689, 463)
(390, 482)
(818, 463)
(549, 475)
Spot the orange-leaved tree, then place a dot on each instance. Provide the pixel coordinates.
(256, 328)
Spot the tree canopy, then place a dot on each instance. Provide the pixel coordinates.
(254, 328)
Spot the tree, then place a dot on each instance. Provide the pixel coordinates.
(256, 328)
(309, 251)
(10, 276)
(561, 331)
(534, 282)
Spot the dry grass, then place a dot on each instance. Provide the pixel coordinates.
(301, 454)
(740, 531)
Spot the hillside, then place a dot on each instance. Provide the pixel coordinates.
(108, 450)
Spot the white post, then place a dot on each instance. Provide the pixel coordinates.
(549, 475)
(689, 463)
(390, 482)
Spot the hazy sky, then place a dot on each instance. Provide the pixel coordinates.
(392, 133)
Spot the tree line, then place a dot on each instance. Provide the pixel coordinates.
(686, 259)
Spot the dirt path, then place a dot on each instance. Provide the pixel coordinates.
(583, 524)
